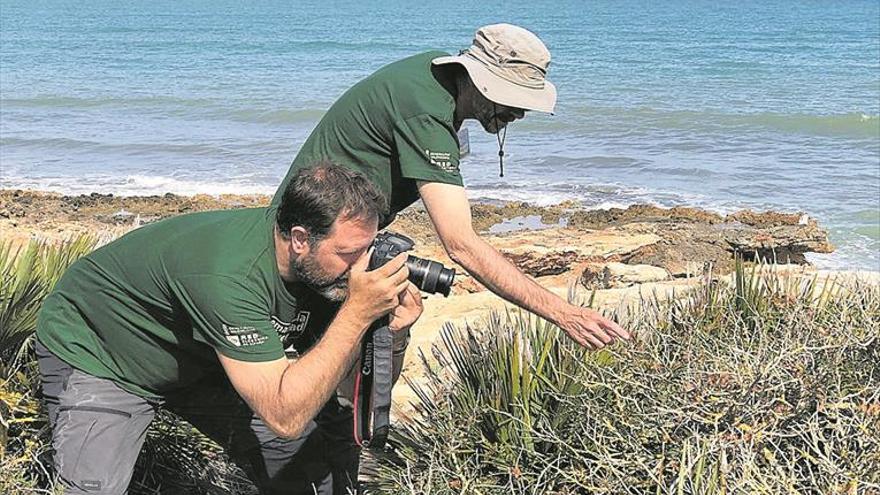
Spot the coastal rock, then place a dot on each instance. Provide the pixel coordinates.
(683, 241)
(768, 218)
(613, 275)
(552, 263)
(598, 219)
(684, 258)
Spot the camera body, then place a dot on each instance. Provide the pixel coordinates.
(386, 246)
(429, 276)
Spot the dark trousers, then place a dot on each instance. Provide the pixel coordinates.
(98, 429)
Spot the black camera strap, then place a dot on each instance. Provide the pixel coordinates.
(372, 393)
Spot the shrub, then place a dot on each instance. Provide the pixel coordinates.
(766, 385)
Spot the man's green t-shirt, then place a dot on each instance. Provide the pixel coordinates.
(150, 309)
(395, 126)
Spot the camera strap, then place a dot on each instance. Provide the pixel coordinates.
(372, 392)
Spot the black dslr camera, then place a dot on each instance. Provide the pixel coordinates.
(429, 276)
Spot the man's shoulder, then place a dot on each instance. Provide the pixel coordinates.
(411, 85)
(420, 61)
(221, 242)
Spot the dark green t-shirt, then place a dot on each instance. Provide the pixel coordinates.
(149, 310)
(395, 126)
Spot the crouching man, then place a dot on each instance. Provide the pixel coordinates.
(243, 322)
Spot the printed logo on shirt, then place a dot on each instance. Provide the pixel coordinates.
(288, 332)
(442, 160)
(243, 336)
(293, 328)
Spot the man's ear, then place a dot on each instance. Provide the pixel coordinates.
(299, 240)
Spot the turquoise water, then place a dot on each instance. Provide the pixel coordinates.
(754, 104)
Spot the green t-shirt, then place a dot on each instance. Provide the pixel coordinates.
(149, 310)
(395, 126)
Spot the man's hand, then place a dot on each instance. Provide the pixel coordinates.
(590, 329)
(372, 294)
(408, 311)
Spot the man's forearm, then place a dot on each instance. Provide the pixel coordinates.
(499, 275)
(308, 382)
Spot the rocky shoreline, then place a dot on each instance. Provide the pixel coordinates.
(613, 255)
(542, 241)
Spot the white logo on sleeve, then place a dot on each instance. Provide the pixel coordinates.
(442, 160)
(243, 336)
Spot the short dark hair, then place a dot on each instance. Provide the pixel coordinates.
(316, 196)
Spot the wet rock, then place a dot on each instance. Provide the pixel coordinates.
(768, 218)
(689, 248)
(597, 219)
(122, 217)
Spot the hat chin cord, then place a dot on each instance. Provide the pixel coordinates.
(501, 138)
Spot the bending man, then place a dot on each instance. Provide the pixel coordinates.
(399, 127)
(200, 311)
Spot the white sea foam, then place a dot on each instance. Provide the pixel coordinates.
(137, 185)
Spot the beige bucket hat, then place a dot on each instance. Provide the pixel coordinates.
(508, 64)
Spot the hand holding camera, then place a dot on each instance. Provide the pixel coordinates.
(374, 293)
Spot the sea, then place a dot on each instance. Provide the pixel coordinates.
(765, 104)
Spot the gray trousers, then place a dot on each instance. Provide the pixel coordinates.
(98, 429)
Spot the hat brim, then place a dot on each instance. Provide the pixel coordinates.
(504, 92)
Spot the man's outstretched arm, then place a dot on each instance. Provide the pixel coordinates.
(450, 213)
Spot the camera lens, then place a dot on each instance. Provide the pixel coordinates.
(430, 276)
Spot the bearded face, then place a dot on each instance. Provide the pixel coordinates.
(308, 271)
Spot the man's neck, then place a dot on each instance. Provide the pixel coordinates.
(450, 79)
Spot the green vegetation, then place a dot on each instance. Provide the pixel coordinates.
(767, 384)
(26, 277)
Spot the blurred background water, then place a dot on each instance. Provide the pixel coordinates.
(751, 104)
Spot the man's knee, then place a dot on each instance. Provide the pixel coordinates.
(97, 428)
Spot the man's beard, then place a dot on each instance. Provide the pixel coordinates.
(309, 272)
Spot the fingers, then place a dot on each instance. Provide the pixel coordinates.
(414, 296)
(363, 262)
(393, 265)
(594, 341)
(400, 277)
(411, 296)
(592, 330)
(400, 290)
(414, 292)
(614, 328)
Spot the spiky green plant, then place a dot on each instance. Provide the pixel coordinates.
(27, 275)
(176, 457)
(767, 384)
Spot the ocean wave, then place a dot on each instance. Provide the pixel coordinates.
(280, 116)
(855, 124)
(136, 185)
(591, 196)
(73, 102)
(243, 111)
(127, 149)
